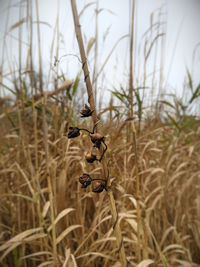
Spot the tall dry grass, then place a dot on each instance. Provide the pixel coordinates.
(169, 201)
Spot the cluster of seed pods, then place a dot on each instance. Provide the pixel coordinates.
(97, 140)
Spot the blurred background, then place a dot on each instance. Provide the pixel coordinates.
(166, 48)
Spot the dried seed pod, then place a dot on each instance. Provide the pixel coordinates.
(96, 139)
(90, 157)
(86, 112)
(85, 180)
(73, 132)
(99, 188)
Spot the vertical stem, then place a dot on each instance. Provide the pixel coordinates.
(20, 91)
(84, 62)
(131, 21)
(131, 60)
(142, 250)
(45, 131)
(20, 52)
(4, 45)
(117, 229)
(34, 110)
(95, 71)
(138, 252)
(32, 81)
(155, 64)
(162, 63)
(56, 79)
(39, 49)
(138, 211)
(111, 110)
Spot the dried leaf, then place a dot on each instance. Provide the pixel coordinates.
(45, 209)
(60, 216)
(66, 232)
(133, 224)
(90, 44)
(145, 263)
(84, 8)
(66, 85)
(43, 22)
(20, 237)
(17, 24)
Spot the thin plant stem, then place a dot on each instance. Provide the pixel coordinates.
(20, 54)
(84, 61)
(138, 211)
(108, 56)
(96, 51)
(45, 132)
(131, 61)
(117, 228)
(4, 44)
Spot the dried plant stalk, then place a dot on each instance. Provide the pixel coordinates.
(131, 61)
(84, 62)
(117, 229)
(141, 228)
(45, 132)
(138, 252)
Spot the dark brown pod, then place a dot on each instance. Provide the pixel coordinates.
(86, 112)
(90, 157)
(85, 180)
(73, 132)
(96, 139)
(99, 188)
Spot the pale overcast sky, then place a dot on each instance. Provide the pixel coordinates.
(182, 36)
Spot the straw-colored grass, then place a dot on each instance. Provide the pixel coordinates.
(169, 202)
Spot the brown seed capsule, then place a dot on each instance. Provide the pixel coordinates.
(86, 112)
(90, 157)
(73, 132)
(96, 139)
(99, 188)
(85, 180)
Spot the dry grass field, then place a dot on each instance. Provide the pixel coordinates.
(138, 205)
(52, 218)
